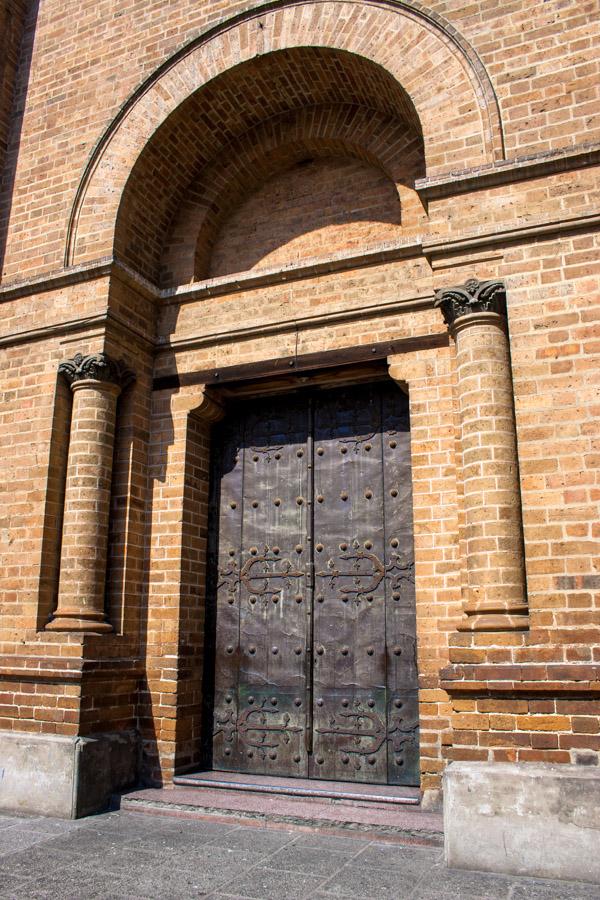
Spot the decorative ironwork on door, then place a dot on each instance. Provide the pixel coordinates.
(315, 650)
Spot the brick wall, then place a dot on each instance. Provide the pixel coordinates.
(12, 21)
(348, 205)
(234, 251)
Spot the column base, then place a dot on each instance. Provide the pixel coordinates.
(94, 623)
(69, 777)
(495, 622)
(534, 819)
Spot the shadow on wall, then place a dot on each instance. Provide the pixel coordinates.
(315, 208)
(17, 34)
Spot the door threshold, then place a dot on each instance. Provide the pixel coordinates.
(303, 787)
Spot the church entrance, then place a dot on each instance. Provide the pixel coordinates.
(313, 603)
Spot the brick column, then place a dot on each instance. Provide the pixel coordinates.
(495, 593)
(96, 382)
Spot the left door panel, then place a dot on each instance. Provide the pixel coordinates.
(263, 591)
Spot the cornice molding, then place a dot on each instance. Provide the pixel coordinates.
(60, 670)
(508, 171)
(298, 323)
(521, 234)
(416, 248)
(53, 281)
(104, 267)
(309, 268)
(528, 679)
(412, 249)
(73, 326)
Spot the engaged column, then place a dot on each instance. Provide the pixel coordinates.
(495, 593)
(96, 382)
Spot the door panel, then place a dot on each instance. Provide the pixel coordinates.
(349, 618)
(402, 676)
(264, 559)
(225, 745)
(315, 670)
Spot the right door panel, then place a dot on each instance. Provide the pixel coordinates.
(365, 712)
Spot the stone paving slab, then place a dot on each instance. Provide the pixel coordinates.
(125, 855)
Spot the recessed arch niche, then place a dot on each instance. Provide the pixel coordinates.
(394, 57)
(251, 125)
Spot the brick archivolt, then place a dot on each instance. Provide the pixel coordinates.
(417, 68)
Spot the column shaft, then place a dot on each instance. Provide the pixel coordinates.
(87, 496)
(494, 593)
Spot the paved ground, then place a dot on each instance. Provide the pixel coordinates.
(121, 855)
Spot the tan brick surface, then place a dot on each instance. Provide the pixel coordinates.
(264, 181)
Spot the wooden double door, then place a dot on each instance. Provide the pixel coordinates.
(315, 670)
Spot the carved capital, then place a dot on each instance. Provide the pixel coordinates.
(472, 297)
(96, 367)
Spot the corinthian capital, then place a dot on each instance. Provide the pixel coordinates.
(96, 367)
(472, 297)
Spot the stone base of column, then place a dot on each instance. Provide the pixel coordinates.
(77, 621)
(69, 777)
(495, 622)
(494, 618)
(534, 819)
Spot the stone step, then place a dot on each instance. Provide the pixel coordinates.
(302, 787)
(377, 821)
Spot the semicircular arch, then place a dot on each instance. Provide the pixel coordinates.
(445, 83)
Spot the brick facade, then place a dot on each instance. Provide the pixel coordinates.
(211, 194)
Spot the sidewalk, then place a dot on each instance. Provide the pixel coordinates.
(122, 854)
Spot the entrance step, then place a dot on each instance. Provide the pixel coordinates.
(302, 787)
(396, 822)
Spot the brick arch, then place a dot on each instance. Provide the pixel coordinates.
(343, 131)
(210, 126)
(441, 77)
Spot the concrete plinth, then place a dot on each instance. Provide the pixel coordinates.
(523, 819)
(61, 776)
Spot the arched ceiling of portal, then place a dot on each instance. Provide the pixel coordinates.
(437, 73)
(209, 131)
(339, 130)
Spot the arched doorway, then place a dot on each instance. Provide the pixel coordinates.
(312, 600)
(271, 106)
